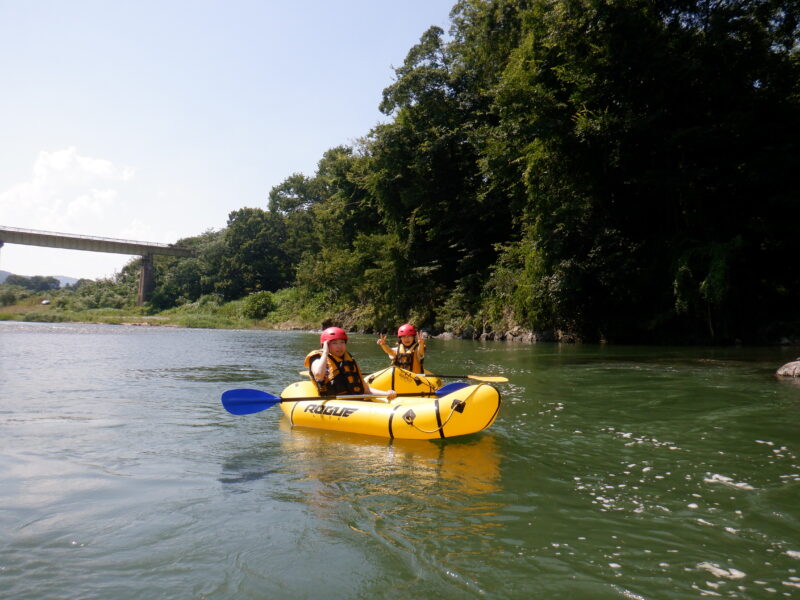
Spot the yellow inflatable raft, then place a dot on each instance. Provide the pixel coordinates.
(464, 411)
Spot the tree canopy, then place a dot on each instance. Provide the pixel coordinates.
(620, 170)
(37, 283)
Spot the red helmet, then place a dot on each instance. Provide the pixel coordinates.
(332, 333)
(407, 329)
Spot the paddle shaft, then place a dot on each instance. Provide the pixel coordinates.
(486, 378)
(356, 396)
(248, 401)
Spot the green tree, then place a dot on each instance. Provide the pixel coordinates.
(425, 175)
(7, 296)
(181, 280)
(646, 132)
(255, 259)
(37, 283)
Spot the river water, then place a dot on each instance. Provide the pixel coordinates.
(611, 472)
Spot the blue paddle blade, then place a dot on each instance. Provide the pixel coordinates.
(245, 401)
(450, 388)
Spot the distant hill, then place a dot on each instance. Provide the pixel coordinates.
(66, 280)
(63, 279)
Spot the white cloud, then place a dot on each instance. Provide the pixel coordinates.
(70, 193)
(71, 168)
(67, 192)
(138, 230)
(94, 202)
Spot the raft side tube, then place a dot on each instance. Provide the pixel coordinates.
(465, 411)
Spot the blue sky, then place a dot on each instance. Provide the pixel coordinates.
(152, 120)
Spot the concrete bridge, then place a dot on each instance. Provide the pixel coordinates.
(32, 237)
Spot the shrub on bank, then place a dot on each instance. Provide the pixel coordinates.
(296, 309)
(258, 305)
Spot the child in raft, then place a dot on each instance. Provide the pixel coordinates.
(410, 352)
(335, 371)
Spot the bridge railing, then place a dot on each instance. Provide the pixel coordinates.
(51, 239)
(86, 237)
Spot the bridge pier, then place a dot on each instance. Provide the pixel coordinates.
(146, 279)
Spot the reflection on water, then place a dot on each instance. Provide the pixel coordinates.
(459, 466)
(420, 501)
(429, 508)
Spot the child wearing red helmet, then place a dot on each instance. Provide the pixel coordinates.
(409, 352)
(335, 371)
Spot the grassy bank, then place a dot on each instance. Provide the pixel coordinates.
(289, 313)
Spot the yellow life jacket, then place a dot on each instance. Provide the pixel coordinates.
(343, 376)
(408, 358)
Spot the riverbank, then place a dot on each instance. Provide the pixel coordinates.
(195, 315)
(209, 315)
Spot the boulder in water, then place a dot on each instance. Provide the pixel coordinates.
(790, 369)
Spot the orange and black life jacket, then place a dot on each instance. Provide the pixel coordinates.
(343, 376)
(407, 358)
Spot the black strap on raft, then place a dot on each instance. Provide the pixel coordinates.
(458, 406)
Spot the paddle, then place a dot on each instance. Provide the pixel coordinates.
(244, 401)
(483, 378)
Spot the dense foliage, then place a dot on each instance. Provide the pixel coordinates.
(37, 283)
(620, 170)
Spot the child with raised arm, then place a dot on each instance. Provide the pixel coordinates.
(409, 352)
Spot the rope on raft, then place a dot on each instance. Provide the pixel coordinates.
(453, 409)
